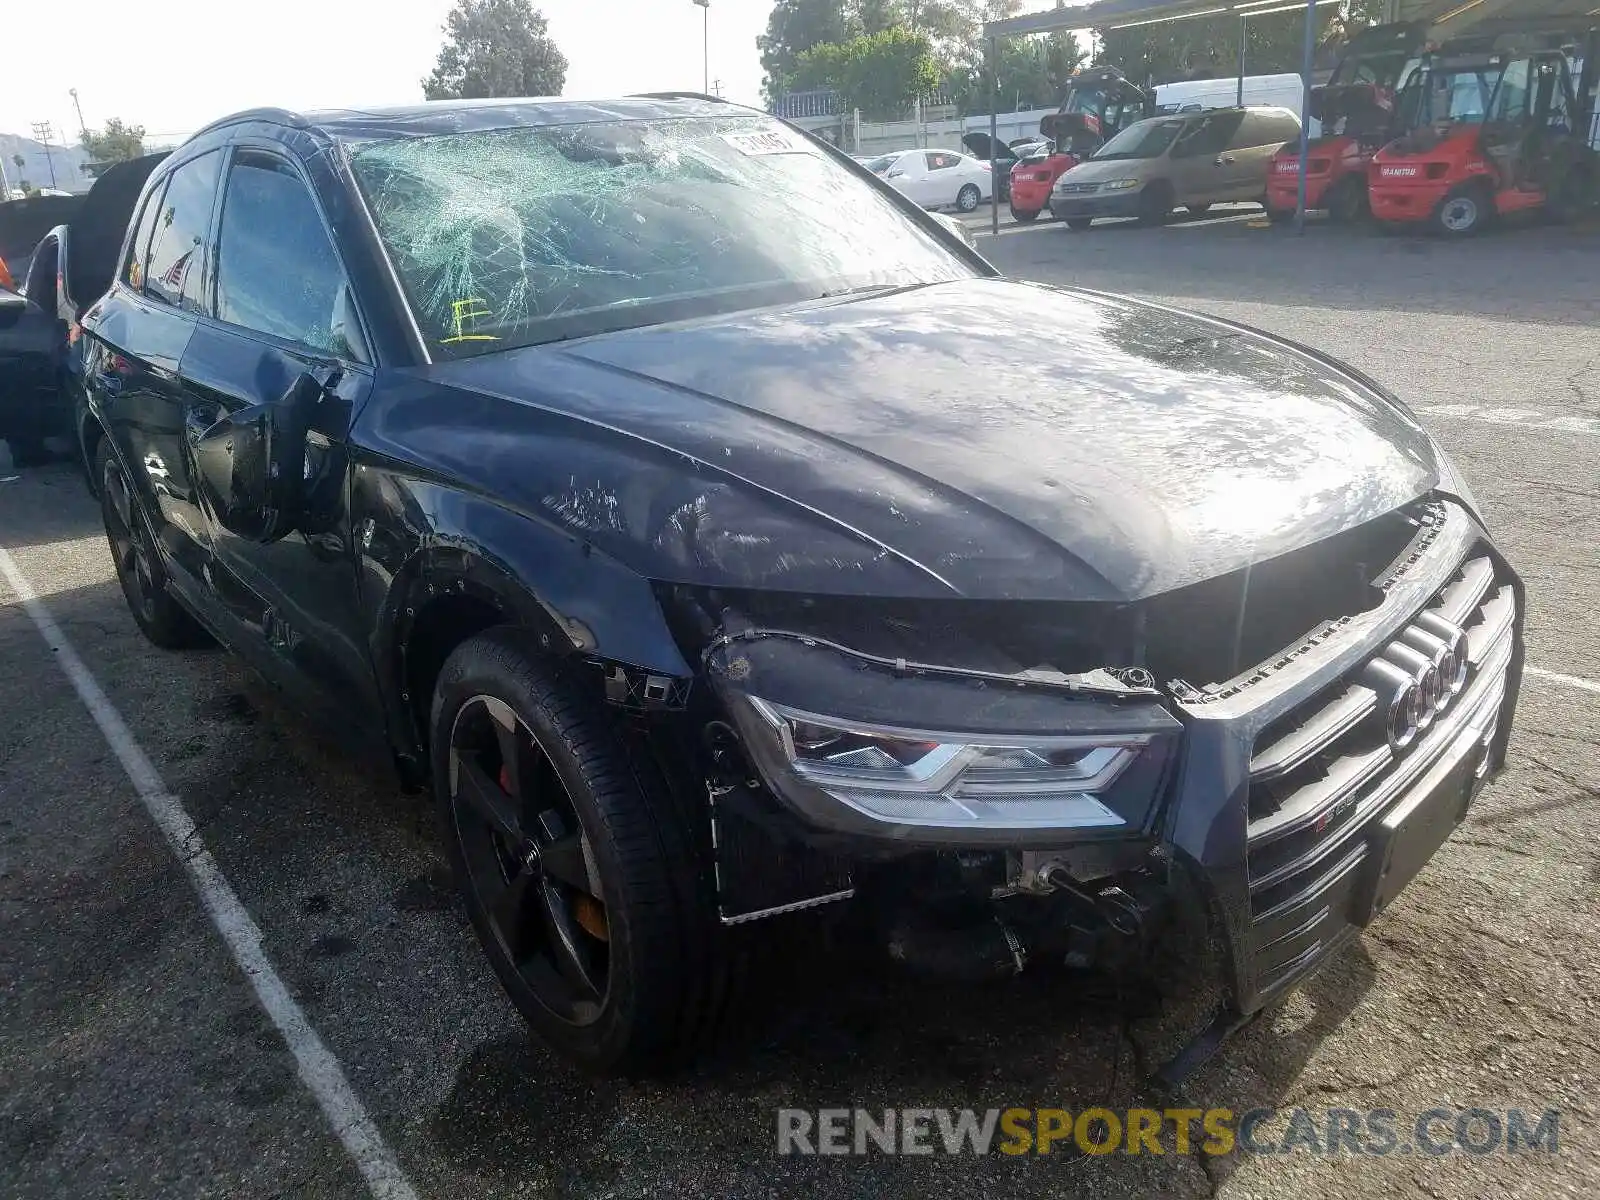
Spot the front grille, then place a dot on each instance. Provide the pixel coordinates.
(1321, 776)
(1077, 189)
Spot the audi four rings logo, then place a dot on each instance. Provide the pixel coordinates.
(1419, 674)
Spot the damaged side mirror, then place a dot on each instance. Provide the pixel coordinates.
(252, 463)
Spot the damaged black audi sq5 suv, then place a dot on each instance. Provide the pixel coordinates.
(704, 524)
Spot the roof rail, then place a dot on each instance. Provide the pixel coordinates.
(676, 96)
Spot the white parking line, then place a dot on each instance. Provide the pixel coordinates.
(1528, 418)
(319, 1070)
(1573, 681)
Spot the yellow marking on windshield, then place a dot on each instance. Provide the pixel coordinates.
(464, 313)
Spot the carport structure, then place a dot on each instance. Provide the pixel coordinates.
(1447, 18)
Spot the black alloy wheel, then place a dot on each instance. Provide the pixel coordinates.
(155, 610)
(579, 873)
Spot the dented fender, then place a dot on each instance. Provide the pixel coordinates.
(420, 542)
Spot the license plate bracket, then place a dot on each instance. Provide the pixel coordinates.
(1409, 835)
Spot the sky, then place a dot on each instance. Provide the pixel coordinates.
(174, 65)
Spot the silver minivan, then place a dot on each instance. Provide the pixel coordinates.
(1190, 161)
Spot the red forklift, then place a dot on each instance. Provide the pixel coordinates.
(1489, 137)
(1096, 104)
(1356, 109)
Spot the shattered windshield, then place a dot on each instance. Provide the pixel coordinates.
(519, 236)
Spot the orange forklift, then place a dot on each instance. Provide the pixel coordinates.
(1096, 105)
(1356, 109)
(1488, 136)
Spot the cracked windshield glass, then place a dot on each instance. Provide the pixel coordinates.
(519, 236)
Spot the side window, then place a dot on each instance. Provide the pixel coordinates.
(276, 269)
(1511, 101)
(1553, 107)
(1208, 136)
(139, 248)
(941, 162)
(176, 272)
(1280, 129)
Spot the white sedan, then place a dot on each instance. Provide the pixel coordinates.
(937, 178)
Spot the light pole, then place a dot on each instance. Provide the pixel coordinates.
(706, 5)
(82, 128)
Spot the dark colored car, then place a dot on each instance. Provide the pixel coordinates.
(62, 252)
(703, 523)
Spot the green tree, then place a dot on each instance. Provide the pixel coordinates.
(113, 144)
(496, 48)
(879, 73)
(794, 27)
(874, 16)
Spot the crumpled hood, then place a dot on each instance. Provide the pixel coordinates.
(999, 439)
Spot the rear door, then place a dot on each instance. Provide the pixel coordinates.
(909, 176)
(136, 339)
(282, 307)
(1252, 147)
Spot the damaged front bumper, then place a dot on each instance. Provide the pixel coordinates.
(1281, 802)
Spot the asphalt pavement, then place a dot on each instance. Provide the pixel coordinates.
(136, 1059)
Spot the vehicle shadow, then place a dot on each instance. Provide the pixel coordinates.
(826, 1029)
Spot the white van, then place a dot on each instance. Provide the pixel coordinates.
(1192, 95)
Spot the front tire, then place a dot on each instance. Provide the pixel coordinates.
(156, 611)
(1197, 210)
(579, 873)
(1079, 224)
(1024, 216)
(968, 198)
(1155, 204)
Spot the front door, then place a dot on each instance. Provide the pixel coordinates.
(1508, 126)
(282, 307)
(1554, 145)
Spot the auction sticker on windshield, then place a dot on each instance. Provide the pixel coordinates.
(771, 141)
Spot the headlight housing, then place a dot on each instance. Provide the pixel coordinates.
(957, 788)
(1119, 185)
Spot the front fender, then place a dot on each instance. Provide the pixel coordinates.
(419, 541)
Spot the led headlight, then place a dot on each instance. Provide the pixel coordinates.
(1119, 185)
(902, 782)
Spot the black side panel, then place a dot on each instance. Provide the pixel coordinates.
(99, 228)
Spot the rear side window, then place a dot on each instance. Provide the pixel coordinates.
(1267, 129)
(176, 271)
(1208, 135)
(276, 269)
(139, 248)
(940, 162)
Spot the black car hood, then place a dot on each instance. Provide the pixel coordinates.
(986, 437)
